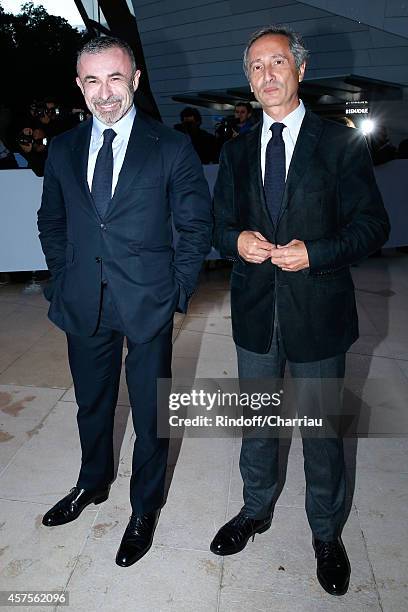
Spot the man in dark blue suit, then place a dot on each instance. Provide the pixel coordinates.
(296, 203)
(112, 188)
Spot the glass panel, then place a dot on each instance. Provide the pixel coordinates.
(130, 5)
(94, 12)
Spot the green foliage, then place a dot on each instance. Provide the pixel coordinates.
(38, 53)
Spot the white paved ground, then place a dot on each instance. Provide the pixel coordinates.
(39, 460)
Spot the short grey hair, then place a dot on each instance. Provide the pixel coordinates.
(102, 43)
(296, 44)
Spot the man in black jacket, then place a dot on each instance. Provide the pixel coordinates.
(296, 204)
(112, 188)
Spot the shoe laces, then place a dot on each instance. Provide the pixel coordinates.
(138, 524)
(330, 553)
(75, 491)
(240, 523)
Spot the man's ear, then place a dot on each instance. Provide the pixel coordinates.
(79, 83)
(302, 72)
(136, 80)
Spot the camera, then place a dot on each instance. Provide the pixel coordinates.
(25, 139)
(79, 113)
(39, 110)
(225, 129)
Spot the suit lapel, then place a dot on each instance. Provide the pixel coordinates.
(143, 138)
(305, 145)
(80, 150)
(253, 144)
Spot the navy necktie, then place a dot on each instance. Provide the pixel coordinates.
(275, 171)
(102, 177)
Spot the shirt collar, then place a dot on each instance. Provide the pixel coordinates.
(293, 121)
(123, 127)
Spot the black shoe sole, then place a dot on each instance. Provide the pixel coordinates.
(237, 550)
(101, 499)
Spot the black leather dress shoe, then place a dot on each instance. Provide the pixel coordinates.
(71, 506)
(234, 535)
(137, 539)
(333, 566)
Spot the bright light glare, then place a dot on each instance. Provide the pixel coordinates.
(367, 126)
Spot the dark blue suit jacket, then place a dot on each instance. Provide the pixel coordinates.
(132, 247)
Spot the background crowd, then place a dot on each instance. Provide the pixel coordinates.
(34, 108)
(26, 135)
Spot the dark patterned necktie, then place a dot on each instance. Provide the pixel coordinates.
(275, 171)
(102, 178)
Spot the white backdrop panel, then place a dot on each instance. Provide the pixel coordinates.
(20, 196)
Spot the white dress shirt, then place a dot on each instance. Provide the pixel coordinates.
(123, 129)
(293, 123)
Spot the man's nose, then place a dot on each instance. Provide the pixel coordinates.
(270, 74)
(105, 90)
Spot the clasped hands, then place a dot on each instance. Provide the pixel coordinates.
(254, 248)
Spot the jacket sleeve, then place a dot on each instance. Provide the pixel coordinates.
(226, 230)
(191, 208)
(363, 220)
(52, 224)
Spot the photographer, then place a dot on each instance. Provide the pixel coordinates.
(225, 130)
(232, 125)
(53, 118)
(243, 116)
(47, 116)
(32, 144)
(203, 142)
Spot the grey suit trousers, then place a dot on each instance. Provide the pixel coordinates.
(323, 456)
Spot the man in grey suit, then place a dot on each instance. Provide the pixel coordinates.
(296, 203)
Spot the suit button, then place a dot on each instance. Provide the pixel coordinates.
(103, 226)
(98, 259)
